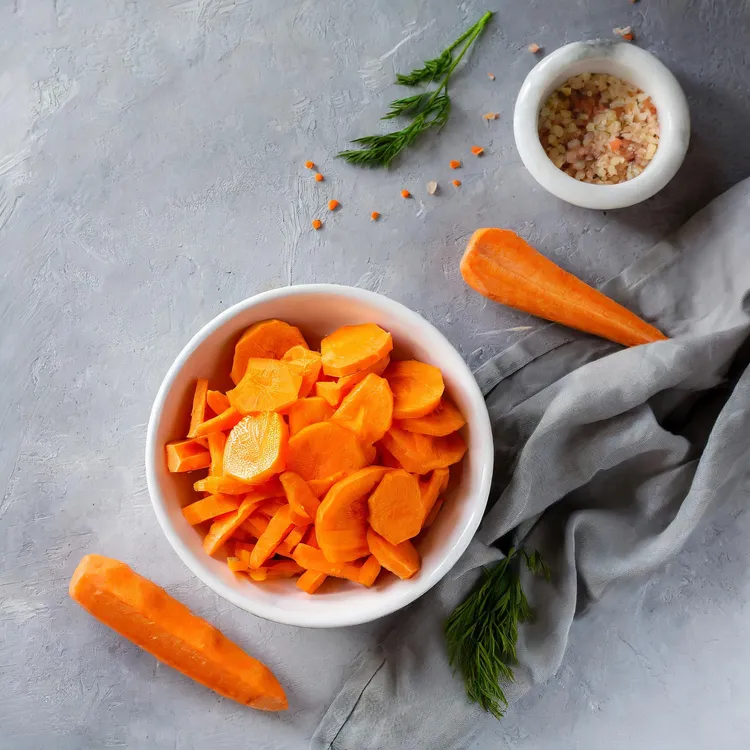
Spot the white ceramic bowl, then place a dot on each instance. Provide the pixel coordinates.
(318, 310)
(632, 64)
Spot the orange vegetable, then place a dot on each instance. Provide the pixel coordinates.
(405, 194)
(402, 559)
(224, 526)
(417, 388)
(477, 150)
(275, 533)
(216, 442)
(310, 164)
(419, 454)
(308, 411)
(309, 364)
(293, 538)
(456, 183)
(236, 565)
(283, 569)
(341, 520)
(433, 513)
(319, 487)
(224, 421)
(300, 497)
(198, 413)
(503, 267)
(271, 505)
(454, 164)
(209, 507)
(334, 391)
(353, 348)
(255, 525)
(257, 448)
(217, 401)
(313, 559)
(242, 551)
(431, 489)
(369, 571)
(333, 205)
(267, 385)
(395, 507)
(324, 449)
(388, 459)
(367, 410)
(145, 614)
(231, 486)
(319, 177)
(446, 418)
(187, 455)
(616, 144)
(374, 216)
(317, 223)
(310, 581)
(269, 339)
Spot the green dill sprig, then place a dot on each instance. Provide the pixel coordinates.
(482, 633)
(428, 109)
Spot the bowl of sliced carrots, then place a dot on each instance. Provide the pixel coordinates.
(319, 455)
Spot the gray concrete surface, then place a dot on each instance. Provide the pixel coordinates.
(150, 175)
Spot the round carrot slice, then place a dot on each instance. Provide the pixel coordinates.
(352, 348)
(269, 339)
(368, 410)
(341, 520)
(445, 419)
(256, 448)
(420, 454)
(395, 507)
(267, 385)
(308, 411)
(401, 559)
(324, 449)
(417, 388)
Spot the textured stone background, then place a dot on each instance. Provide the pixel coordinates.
(151, 175)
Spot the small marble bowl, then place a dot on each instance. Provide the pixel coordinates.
(625, 61)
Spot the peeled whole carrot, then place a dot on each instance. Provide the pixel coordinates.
(395, 507)
(367, 410)
(352, 348)
(308, 411)
(503, 267)
(324, 449)
(257, 448)
(267, 385)
(148, 616)
(417, 388)
(269, 339)
(402, 559)
(198, 413)
(446, 418)
(209, 507)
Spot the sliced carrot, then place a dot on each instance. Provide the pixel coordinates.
(293, 538)
(310, 365)
(387, 458)
(276, 531)
(395, 507)
(299, 495)
(417, 388)
(310, 581)
(353, 348)
(368, 410)
(433, 513)
(220, 423)
(242, 550)
(371, 453)
(217, 401)
(187, 455)
(446, 418)
(231, 486)
(257, 448)
(268, 385)
(369, 571)
(375, 215)
(324, 449)
(209, 507)
(224, 526)
(329, 391)
(311, 539)
(431, 489)
(420, 454)
(334, 391)
(313, 559)
(147, 615)
(319, 487)
(198, 413)
(402, 559)
(236, 565)
(271, 506)
(269, 339)
(477, 150)
(308, 411)
(341, 520)
(256, 524)
(505, 268)
(216, 443)
(283, 569)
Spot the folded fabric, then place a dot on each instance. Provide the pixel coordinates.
(622, 451)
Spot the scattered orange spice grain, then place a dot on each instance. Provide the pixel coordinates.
(491, 116)
(333, 204)
(491, 76)
(405, 193)
(534, 48)
(319, 177)
(317, 223)
(375, 215)
(477, 150)
(628, 37)
(454, 163)
(457, 183)
(310, 164)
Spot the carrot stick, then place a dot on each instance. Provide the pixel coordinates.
(198, 413)
(224, 421)
(209, 507)
(401, 559)
(505, 268)
(369, 572)
(187, 455)
(276, 531)
(310, 581)
(217, 401)
(145, 614)
(224, 526)
(313, 559)
(299, 495)
(216, 443)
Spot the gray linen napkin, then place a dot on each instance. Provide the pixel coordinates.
(630, 446)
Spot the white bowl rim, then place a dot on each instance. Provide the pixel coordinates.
(391, 604)
(674, 120)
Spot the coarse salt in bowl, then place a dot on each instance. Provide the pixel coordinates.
(631, 64)
(317, 310)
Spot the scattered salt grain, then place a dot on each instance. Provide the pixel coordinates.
(534, 48)
(432, 187)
